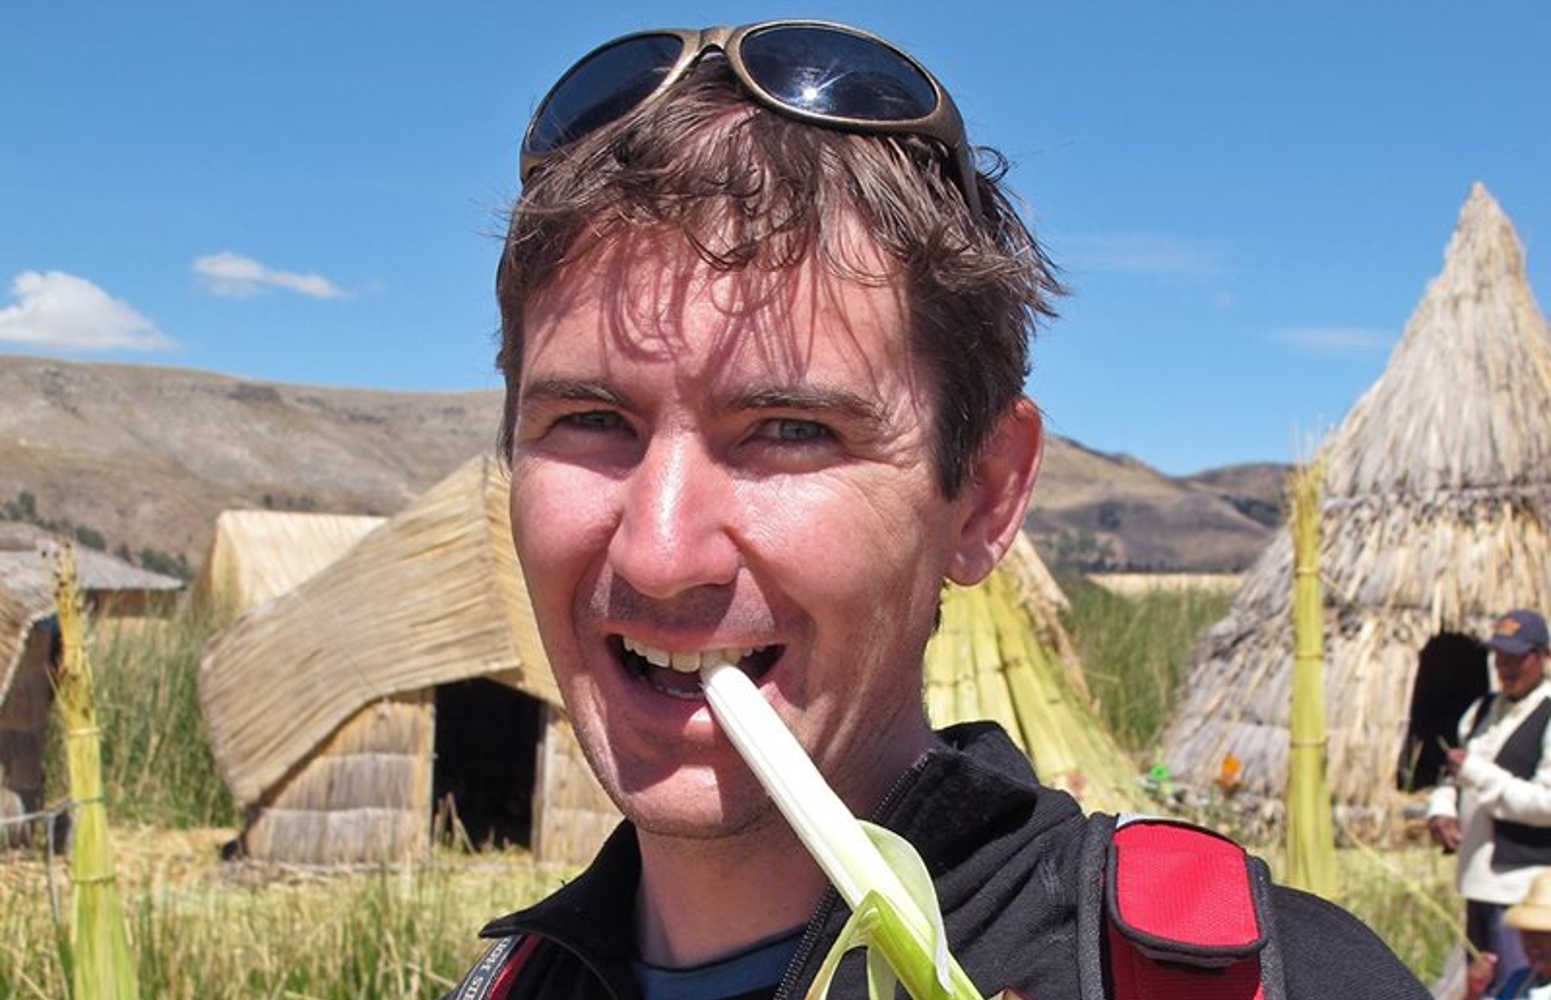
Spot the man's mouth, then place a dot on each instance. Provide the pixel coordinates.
(678, 674)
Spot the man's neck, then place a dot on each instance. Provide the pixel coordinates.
(700, 900)
(703, 899)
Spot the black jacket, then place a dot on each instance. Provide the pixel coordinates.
(1005, 855)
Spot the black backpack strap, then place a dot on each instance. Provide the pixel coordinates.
(1172, 911)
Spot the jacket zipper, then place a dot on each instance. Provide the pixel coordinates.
(831, 898)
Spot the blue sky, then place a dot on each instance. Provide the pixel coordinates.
(1248, 199)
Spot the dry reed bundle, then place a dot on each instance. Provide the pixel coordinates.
(1311, 848)
(99, 945)
(257, 555)
(1434, 518)
(1002, 654)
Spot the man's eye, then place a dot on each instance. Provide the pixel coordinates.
(592, 420)
(798, 431)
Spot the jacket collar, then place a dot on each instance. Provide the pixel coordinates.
(970, 802)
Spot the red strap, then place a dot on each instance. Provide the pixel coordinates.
(502, 984)
(1137, 977)
(1183, 885)
(1182, 922)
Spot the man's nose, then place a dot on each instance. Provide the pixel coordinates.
(674, 532)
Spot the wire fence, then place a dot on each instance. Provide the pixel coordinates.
(28, 828)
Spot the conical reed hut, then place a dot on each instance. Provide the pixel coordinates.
(109, 588)
(405, 675)
(257, 555)
(1434, 519)
(1001, 653)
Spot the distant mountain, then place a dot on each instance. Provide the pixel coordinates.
(145, 457)
(139, 460)
(1255, 489)
(1094, 510)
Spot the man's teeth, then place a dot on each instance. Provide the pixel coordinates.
(686, 663)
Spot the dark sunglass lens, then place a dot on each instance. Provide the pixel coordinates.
(830, 72)
(601, 88)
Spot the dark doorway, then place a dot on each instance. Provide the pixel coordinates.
(486, 738)
(1451, 673)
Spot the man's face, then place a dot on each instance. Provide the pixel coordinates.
(1537, 948)
(696, 471)
(1517, 673)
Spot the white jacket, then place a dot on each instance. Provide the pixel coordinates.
(1486, 792)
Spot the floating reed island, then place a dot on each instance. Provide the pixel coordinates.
(1436, 499)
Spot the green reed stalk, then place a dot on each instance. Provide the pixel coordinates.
(1311, 857)
(101, 968)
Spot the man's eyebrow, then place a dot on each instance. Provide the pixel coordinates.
(807, 397)
(571, 390)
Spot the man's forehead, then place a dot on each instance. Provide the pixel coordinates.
(645, 297)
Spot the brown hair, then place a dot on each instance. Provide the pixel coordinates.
(751, 188)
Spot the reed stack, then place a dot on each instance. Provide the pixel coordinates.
(101, 967)
(1311, 849)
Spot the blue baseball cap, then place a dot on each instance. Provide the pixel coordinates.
(1518, 632)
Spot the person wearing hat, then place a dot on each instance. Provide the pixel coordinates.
(1531, 916)
(1496, 813)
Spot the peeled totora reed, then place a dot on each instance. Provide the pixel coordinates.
(880, 876)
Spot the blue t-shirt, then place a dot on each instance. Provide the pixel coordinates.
(752, 973)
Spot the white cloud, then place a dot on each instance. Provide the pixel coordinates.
(59, 310)
(1336, 339)
(1142, 253)
(234, 276)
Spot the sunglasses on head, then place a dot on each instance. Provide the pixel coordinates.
(826, 74)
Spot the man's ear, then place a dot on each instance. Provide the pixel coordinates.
(996, 492)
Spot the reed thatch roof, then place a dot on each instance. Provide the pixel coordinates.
(1436, 505)
(257, 555)
(27, 585)
(432, 596)
(1001, 653)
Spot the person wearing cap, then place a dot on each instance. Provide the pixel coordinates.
(1531, 916)
(1496, 812)
(765, 326)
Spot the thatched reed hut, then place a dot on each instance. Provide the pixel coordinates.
(1001, 653)
(1435, 518)
(257, 555)
(109, 587)
(405, 674)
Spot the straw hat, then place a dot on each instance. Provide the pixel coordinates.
(1534, 913)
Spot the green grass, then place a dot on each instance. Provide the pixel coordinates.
(156, 762)
(1135, 651)
(198, 931)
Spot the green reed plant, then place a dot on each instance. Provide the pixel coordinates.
(1135, 651)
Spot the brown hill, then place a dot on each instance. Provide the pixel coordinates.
(146, 457)
(1093, 510)
(141, 459)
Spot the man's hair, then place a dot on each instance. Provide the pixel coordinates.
(754, 190)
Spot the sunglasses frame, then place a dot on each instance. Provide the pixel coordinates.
(944, 124)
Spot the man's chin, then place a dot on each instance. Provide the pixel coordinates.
(681, 819)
